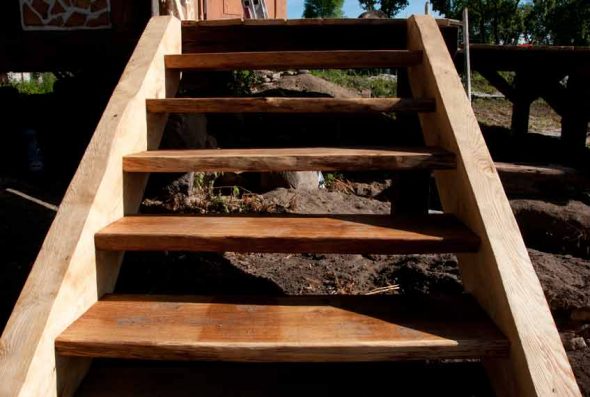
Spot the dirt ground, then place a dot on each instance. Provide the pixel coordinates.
(556, 228)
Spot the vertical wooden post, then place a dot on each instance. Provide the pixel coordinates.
(411, 189)
(521, 106)
(574, 122)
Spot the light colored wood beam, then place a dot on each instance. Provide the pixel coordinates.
(292, 159)
(67, 277)
(500, 275)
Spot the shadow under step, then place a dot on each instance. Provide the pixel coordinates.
(289, 105)
(294, 60)
(342, 234)
(282, 329)
(290, 159)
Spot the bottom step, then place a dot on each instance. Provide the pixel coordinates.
(291, 329)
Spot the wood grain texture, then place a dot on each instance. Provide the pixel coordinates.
(302, 233)
(294, 159)
(67, 278)
(288, 105)
(287, 329)
(294, 60)
(500, 275)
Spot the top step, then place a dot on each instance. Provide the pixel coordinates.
(294, 60)
(303, 34)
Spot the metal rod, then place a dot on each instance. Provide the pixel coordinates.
(466, 51)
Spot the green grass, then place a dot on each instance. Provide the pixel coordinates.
(480, 84)
(42, 85)
(359, 80)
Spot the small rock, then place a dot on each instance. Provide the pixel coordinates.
(578, 343)
(290, 73)
(276, 76)
(303, 71)
(266, 79)
(572, 342)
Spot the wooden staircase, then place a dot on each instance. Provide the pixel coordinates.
(65, 314)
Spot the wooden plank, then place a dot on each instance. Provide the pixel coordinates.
(281, 329)
(289, 105)
(500, 275)
(295, 159)
(294, 60)
(400, 22)
(345, 234)
(67, 277)
(307, 34)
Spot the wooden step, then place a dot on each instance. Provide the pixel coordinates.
(344, 234)
(294, 60)
(291, 329)
(293, 159)
(303, 34)
(289, 105)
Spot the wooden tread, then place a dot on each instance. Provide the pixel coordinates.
(294, 60)
(289, 105)
(292, 159)
(288, 329)
(345, 234)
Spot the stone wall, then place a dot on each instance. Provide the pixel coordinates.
(65, 14)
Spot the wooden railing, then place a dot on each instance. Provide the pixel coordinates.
(501, 275)
(69, 276)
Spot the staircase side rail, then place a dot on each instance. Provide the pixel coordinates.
(68, 275)
(500, 275)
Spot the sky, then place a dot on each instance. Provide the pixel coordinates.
(352, 9)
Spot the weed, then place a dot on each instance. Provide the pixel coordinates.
(361, 80)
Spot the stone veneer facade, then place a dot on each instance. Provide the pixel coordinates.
(65, 14)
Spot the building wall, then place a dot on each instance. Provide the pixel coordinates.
(227, 9)
(65, 14)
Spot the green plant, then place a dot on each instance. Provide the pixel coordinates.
(361, 80)
(39, 84)
(242, 82)
(331, 177)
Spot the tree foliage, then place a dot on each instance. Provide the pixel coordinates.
(557, 22)
(490, 21)
(323, 9)
(388, 7)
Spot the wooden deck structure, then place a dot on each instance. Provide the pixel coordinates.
(64, 316)
(540, 71)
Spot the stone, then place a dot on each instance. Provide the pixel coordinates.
(99, 5)
(41, 7)
(276, 76)
(30, 17)
(57, 21)
(578, 343)
(77, 19)
(83, 4)
(102, 20)
(57, 9)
